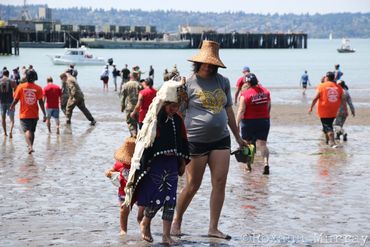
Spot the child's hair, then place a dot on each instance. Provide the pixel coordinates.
(49, 79)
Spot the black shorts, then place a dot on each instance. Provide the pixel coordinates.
(255, 129)
(198, 148)
(327, 124)
(29, 124)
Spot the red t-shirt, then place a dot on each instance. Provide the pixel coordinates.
(256, 100)
(148, 95)
(52, 93)
(124, 170)
(28, 94)
(240, 82)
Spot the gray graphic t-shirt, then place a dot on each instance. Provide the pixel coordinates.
(205, 117)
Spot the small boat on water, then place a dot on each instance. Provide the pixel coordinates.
(167, 42)
(345, 47)
(78, 56)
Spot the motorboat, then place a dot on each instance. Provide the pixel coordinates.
(78, 56)
(345, 47)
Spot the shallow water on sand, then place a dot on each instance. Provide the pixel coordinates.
(59, 195)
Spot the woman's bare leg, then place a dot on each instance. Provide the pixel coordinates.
(194, 175)
(219, 166)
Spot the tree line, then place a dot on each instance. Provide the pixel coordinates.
(351, 25)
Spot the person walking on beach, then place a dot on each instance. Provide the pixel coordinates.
(105, 77)
(329, 97)
(64, 98)
(72, 71)
(7, 88)
(207, 117)
(160, 156)
(52, 94)
(337, 73)
(240, 84)
(151, 72)
(304, 81)
(16, 76)
(130, 93)
(115, 73)
(29, 93)
(145, 98)
(253, 118)
(30, 67)
(343, 112)
(76, 98)
(122, 166)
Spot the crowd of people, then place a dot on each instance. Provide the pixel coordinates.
(180, 129)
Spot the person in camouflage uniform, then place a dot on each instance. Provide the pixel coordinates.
(64, 98)
(130, 93)
(76, 98)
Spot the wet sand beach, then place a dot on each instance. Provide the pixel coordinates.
(314, 196)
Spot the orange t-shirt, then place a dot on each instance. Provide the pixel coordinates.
(330, 99)
(28, 94)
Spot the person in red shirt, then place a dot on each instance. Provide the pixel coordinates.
(52, 93)
(253, 117)
(329, 96)
(240, 84)
(145, 98)
(28, 94)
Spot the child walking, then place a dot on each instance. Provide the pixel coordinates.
(119, 174)
(160, 155)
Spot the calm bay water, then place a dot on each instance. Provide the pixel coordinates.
(274, 67)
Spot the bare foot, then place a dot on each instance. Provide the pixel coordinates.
(176, 228)
(218, 234)
(5, 134)
(30, 150)
(122, 232)
(145, 232)
(168, 240)
(10, 135)
(58, 131)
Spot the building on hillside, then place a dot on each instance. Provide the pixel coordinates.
(195, 29)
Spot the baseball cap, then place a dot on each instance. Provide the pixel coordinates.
(246, 68)
(252, 79)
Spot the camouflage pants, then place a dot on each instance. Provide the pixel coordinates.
(132, 123)
(63, 104)
(80, 103)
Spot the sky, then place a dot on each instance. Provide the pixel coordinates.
(248, 6)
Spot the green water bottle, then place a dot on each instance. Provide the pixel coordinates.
(245, 151)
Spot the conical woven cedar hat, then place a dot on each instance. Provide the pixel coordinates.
(208, 54)
(125, 152)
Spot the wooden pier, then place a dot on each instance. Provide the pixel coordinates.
(251, 40)
(227, 40)
(9, 41)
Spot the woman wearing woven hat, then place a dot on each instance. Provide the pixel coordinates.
(208, 113)
(160, 155)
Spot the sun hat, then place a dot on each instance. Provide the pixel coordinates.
(125, 152)
(208, 54)
(246, 69)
